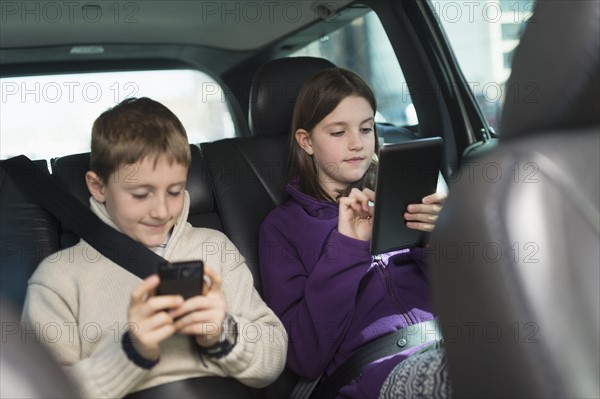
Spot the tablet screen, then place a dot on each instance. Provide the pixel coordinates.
(407, 172)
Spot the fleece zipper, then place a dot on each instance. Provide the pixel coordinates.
(390, 292)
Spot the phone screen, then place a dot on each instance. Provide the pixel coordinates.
(181, 278)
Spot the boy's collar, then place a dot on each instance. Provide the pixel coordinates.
(100, 210)
(162, 248)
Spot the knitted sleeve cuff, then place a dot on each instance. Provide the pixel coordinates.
(133, 355)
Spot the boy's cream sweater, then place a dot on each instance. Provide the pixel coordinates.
(77, 303)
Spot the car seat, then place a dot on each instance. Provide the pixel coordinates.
(515, 254)
(28, 234)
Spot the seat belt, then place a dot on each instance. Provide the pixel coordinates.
(52, 194)
(387, 345)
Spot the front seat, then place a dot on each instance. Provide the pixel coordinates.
(515, 255)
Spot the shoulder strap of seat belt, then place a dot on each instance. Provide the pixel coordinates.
(52, 194)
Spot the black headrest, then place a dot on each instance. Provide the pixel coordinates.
(71, 169)
(555, 72)
(28, 233)
(274, 90)
(198, 184)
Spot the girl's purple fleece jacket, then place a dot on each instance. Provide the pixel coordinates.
(332, 295)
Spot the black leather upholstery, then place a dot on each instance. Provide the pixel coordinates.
(71, 169)
(28, 233)
(516, 253)
(559, 87)
(274, 90)
(203, 211)
(248, 176)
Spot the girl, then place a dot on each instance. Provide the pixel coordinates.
(318, 274)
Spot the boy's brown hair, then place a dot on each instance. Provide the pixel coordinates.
(133, 130)
(318, 97)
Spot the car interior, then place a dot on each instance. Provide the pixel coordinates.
(543, 314)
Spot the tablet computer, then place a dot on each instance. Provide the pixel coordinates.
(407, 172)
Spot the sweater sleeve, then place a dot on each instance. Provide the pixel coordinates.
(105, 373)
(258, 357)
(315, 302)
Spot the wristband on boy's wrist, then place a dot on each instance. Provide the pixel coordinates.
(134, 355)
(227, 340)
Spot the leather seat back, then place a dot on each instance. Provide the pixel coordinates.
(516, 253)
(28, 234)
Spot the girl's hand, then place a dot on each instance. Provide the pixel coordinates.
(151, 323)
(356, 216)
(423, 216)
(203, 315)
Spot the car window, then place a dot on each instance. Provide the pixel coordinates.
(363, 47)
(55, 113)
(483, 36)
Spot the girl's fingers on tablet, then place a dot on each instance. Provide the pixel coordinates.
(433, 209)
(370, 194)
(428, 227)
(421, 217)
(439, 197)
(361, 199)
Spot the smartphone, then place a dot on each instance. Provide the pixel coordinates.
(181, 278)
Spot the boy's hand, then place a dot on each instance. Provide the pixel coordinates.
(149, 317)
(423, 216)
(203, 315)
(356, 216)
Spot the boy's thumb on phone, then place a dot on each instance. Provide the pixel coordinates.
(213, 277)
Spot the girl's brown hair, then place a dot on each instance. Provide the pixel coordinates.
(134, 129)
(318, 97)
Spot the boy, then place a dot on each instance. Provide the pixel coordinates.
(110, 330)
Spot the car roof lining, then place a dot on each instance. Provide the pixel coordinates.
(39, 60)
(199, 23)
